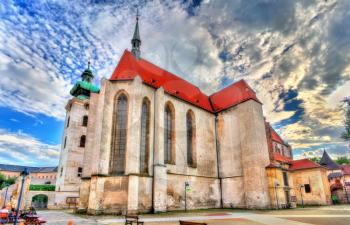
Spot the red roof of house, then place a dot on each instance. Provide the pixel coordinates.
(275, 137)
(346, 169)
(303, 164)
(129, 67)
(281, 158)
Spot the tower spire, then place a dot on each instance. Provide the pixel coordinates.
(136, 40)
(87, 74)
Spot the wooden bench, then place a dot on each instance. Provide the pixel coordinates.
(191, 223)
(130, 219)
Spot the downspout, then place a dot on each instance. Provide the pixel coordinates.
(217, 147)
(154, 141)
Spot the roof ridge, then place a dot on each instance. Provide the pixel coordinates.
(129, 67)
(228, 86)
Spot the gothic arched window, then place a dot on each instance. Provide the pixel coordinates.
(190, 133)
(85, 121)
(120, 116)
(169, 136)
(144, 144)
(82, 141)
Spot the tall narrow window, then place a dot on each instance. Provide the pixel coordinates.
(285, 179)
(190, 131)
(168, 134)
(65, 142)
(82, 141)
(144, 145)
(68, 121)
(85, 121)
(117, 162)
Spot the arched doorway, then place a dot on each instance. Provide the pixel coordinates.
(337, 190)
(39, 201)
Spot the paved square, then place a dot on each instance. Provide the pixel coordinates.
(335, 215)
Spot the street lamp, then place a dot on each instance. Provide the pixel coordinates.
(24, 174)
(187, 188)
(7, 188)
(301, 194)
(276, 185)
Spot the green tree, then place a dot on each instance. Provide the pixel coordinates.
(342, 160)
(346, 134)
(315, 159)
(4, 181)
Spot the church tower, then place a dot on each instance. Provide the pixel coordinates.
(74, 139)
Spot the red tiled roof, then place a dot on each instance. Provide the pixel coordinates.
(232, 95)
(275, 137)
(281, 158)
(128, 68)
(303, 164)
(346, 169)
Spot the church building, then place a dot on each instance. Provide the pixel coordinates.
(149, 141)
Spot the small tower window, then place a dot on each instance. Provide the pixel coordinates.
(80, 171)
(82, 141)
(85, 121)
(68, 121)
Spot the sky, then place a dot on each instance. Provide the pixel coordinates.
(294, 54)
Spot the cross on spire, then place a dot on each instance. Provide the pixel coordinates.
(136, 40)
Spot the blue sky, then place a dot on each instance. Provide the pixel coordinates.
(295, 54)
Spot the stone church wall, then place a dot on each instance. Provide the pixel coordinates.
(243, 156)
(204, 193)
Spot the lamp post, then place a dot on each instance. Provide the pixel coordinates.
(7, 188)
(276, 185)
(301, 194)
(187, 185)
(24, 174)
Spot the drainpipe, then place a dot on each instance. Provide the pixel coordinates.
(154, 141)
(217, 147)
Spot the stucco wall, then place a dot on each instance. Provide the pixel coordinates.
(317, 178)
(244, 155)
(204, 192)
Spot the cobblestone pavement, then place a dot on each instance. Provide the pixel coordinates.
(330, 215)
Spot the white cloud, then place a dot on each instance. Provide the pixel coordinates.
(24, 149)
(276, 46)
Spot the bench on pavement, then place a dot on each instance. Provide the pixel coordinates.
(130, 219)
(191, 223)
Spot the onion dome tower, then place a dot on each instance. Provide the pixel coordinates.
(83, 88)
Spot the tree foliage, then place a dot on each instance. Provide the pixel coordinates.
(342, 160)
(346, 134)
(315, 159)
(4, 181)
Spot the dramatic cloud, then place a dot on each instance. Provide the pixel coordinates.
(295, 54)
(26, 150)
